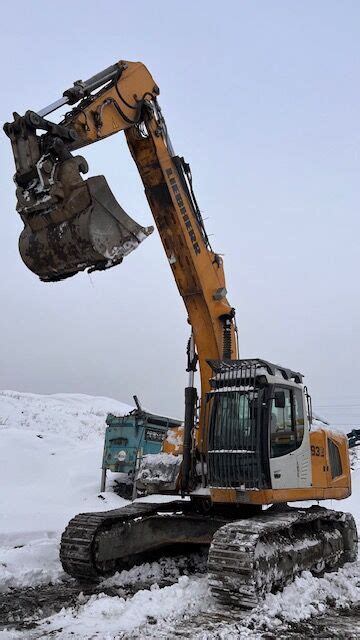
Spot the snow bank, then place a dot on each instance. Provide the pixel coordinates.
(31, 564)
(77, 416)
(45, 481)
(50, 465)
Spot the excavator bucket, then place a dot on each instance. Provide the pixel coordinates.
(78, 225)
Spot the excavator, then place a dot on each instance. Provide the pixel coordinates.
(248, 445)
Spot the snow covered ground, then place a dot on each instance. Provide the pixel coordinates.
(50, 459)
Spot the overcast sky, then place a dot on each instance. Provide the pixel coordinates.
(262, 98)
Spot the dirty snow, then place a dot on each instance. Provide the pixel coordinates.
(159, 469)
(156, 572)
(116, 616)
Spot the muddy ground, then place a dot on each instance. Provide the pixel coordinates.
(22, 609)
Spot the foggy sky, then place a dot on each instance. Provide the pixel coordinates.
(262, 98)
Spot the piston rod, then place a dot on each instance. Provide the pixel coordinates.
(80, 89)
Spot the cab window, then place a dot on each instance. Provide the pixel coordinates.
(299, 415)
(287, 421)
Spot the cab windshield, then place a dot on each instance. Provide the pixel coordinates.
(233, 421)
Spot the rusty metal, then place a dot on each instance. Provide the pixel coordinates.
(82, 226)
(97, 236)
(70, 224)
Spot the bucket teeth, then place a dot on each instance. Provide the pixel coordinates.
(79, 225)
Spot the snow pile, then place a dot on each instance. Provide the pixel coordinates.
(155, 459)
(110, 617)
(34, 563)
(50, 461)
(78, 416)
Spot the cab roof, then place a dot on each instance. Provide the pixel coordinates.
(250, 367)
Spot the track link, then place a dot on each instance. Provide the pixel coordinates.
(78, 547)
(97, 544)
(249, 558)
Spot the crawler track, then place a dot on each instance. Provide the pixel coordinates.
(78, 548)
(97, 544)
(249, 558)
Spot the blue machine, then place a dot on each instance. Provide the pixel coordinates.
(127, 437)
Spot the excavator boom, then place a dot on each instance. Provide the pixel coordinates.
(72, 224)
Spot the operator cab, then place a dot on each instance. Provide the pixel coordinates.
(258, 417)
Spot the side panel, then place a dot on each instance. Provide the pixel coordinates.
(294, 469)
(329, 471)
(273, 496)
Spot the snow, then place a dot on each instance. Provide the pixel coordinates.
(32, 563)
(116, 616)
(154, 572)
(50, 460)
(159, 470)
(175, 437)
(154, 459)
(78, 416)
(305, 598)
(308, 596)
(50, 465)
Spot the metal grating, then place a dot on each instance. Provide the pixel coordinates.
(224, 366)
(234, 417)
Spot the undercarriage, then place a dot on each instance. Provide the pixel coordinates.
(248, 557)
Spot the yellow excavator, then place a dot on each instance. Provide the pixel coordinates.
(251, 448)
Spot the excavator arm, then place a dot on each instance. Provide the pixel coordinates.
(72, 224)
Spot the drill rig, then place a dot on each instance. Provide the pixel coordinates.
(252, 445)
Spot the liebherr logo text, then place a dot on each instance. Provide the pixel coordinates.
(180, 202)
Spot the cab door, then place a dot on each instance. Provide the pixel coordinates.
(289, 445)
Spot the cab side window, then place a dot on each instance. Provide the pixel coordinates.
(299, 416)
(287, 421)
